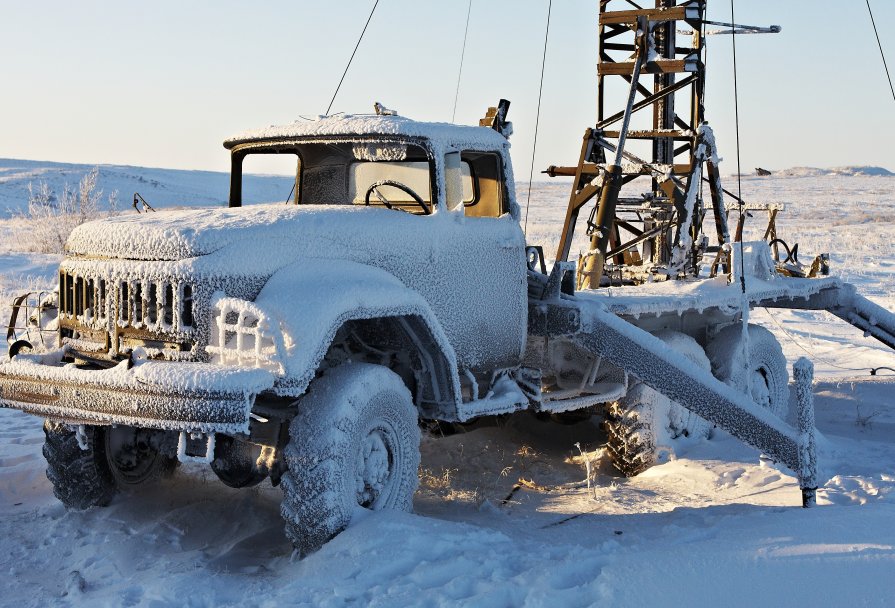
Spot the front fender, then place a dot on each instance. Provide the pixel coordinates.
(311, 300)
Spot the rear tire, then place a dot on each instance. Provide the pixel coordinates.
(763, 376)
(642, 426)
(354, 444)
(631, 442)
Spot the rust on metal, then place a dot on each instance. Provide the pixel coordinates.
(658, 235)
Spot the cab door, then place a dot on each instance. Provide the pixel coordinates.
(486, 249)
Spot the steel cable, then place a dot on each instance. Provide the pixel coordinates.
(880, 44)
(462, 56)
(812, 354)
(342, 79)
(534, 148)
(736, 115)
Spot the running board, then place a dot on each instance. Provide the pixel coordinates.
(649, 359)
(853, 308)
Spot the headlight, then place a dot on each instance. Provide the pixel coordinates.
(241, 335)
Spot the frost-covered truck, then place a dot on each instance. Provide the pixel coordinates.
(305, 342)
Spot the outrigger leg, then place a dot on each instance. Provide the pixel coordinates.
(646, 357)
(853, 308)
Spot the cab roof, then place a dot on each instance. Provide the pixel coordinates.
(442, 135)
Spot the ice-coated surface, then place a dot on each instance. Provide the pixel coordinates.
(471, 271)
(700, 295)
(175, 396)
(241, 335)
(338, 440)
(705, 151)
(803, 373)
(311, 302)
(442, 135)
(659, 366)
(186, 233)
(145, 375)
(875, 314)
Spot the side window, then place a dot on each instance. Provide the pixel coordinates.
(269, 178)
(489, 199)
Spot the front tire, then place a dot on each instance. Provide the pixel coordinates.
(354, 444)
(89, 473)
(81, 478)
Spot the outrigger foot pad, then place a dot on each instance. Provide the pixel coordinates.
(809, 497)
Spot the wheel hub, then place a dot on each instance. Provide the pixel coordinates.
(759, 389)
(130, 454)
(373, 468)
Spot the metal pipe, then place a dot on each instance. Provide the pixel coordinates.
(803, 371)
(612, 185)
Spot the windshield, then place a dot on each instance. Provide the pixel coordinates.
(394, 175)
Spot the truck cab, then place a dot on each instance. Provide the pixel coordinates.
(433, 204)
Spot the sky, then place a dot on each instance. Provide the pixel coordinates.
(164, 83)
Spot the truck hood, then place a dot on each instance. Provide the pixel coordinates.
(188, 233)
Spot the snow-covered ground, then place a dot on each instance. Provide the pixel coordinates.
(503, 516)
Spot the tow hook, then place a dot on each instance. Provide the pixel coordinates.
(16, 347)
(194, 446)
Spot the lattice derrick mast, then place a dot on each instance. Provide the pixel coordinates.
(658, 234)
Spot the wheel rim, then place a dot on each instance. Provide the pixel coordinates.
(130, 454)
(375, 464)
(759, 387)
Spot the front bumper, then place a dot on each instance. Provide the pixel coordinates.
(174, 396)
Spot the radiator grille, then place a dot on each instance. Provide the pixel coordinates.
(142, 304)
(82, 298)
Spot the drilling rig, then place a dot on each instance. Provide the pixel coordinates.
(654, 249)
(661, 133)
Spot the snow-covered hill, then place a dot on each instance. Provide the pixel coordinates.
(161, 187)
(834, 171)
(713, 526)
